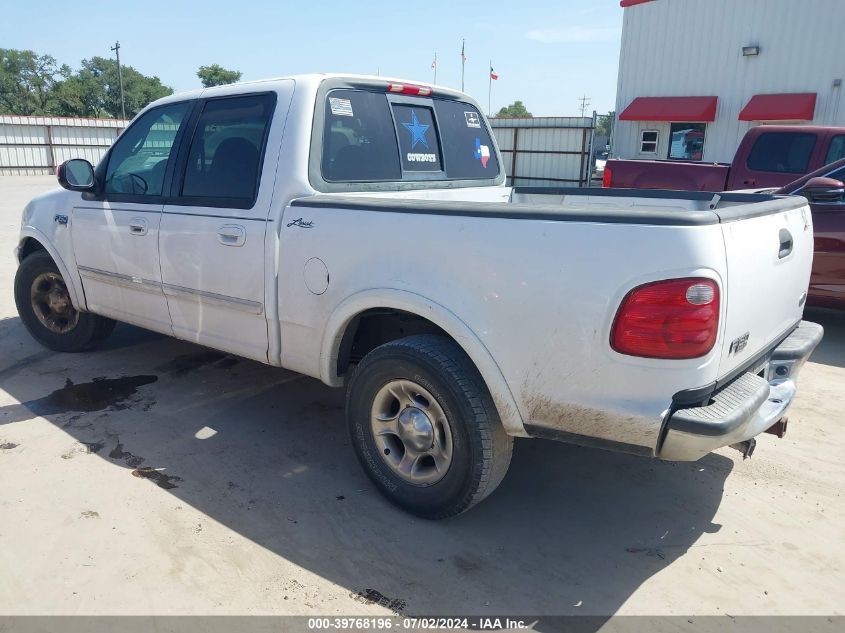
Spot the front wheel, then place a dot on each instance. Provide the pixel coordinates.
(425, 428)
(46, 310)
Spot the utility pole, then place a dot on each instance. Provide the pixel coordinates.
(116, 49)
(585, 103)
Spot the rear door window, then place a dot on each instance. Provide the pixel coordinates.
(224, 159)
(369, 137)
(782, 152)
(836, 151)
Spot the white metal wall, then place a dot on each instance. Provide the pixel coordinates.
(545, 151)
(694, 48)
(32, 145)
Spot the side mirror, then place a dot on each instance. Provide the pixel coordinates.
(76, 174)
(824, 190)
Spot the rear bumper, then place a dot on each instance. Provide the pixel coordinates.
(748, 406)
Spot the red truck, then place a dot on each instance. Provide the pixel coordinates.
(769, 156)
(825, 189)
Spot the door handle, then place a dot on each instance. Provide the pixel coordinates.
(231, 235)
(785, 243)
(138, 226)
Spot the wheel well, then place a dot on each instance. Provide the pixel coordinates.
(376, 327)
(29, 246)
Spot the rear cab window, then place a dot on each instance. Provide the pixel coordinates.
(782, 152)
(371, 136)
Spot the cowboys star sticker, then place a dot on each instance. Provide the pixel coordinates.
(417, 131)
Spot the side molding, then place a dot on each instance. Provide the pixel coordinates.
(440, 316)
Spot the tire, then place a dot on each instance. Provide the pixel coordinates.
(69, 330)
(419, 369)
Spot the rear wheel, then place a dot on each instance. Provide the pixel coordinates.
(44, 305)
(424, 426)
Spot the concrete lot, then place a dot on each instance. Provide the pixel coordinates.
(257, 505)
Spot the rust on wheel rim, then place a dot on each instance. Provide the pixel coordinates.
(51, 303)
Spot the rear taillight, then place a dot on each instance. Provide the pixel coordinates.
(676, 318)
(608, 176)
(407, 89)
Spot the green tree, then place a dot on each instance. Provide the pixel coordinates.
(216, 75)
(27, 81)
(516, 109)
(604, 123)
(95, 90)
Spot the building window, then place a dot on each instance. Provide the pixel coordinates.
(648, 142)
(686, 141)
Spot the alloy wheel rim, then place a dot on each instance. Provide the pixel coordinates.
(51, 303)
(411, 432)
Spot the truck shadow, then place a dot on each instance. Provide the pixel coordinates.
(831, 351)
(265, 452)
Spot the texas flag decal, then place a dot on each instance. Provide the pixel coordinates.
(482, 153)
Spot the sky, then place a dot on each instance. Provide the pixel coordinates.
(547, 53)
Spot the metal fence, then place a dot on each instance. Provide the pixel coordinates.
(540, 151)
(546, 151)
(33, 145)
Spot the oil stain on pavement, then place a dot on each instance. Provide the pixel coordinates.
(97, 395)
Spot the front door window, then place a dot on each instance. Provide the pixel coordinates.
(138, 162)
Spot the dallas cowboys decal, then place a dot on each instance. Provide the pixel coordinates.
(417, 131)
(418, 137)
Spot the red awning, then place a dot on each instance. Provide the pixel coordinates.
(798, 106)
(681, 109)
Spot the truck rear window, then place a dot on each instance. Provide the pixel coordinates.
(782, 152)
(367, 137)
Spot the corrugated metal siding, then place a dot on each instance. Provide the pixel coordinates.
(694, 48)
(550, 151)
(35, 145)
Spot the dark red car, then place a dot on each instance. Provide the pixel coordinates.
(825, 189)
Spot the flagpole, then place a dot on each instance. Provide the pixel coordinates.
(435, 67)
(463, 62)
(489, 86)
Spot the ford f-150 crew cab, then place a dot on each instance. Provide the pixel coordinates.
(358, 230)
(768, 156)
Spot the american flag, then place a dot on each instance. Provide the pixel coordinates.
(463, 56)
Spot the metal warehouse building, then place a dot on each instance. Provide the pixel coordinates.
(695, 75)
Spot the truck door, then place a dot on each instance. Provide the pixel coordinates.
(115, 233)
(213, 228)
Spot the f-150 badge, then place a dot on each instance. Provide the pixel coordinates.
(738, 344)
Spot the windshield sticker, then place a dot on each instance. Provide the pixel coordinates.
(417, 131)
(482, 153)
(340, 107)
(472, 119)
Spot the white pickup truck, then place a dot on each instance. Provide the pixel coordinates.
(359, 230)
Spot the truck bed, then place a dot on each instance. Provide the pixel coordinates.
(540, 274)
(666, 174)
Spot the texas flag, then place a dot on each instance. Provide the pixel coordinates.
(482, 153)
(493, 74)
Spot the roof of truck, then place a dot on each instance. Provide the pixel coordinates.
(306, 79)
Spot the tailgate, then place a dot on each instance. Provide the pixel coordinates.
(767, 280)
